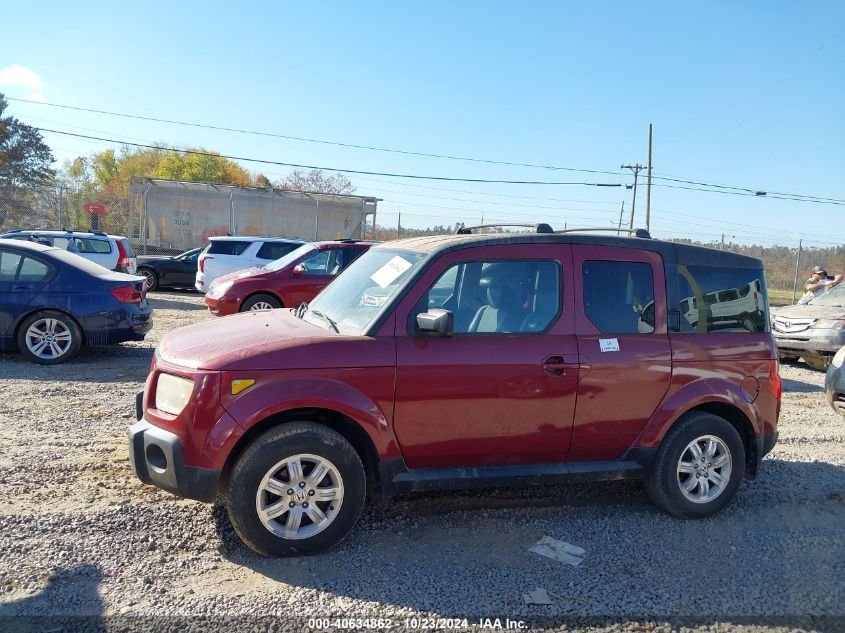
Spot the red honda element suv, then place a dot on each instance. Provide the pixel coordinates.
(469, 360)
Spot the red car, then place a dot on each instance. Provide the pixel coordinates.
(464, 361)
(287, 282)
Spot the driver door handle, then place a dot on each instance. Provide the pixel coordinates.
(557, 365)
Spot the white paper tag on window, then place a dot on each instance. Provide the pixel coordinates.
(609, 344)
(388, 273)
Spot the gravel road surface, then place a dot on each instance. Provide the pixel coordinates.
(80, 536)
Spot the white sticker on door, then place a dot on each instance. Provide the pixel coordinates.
(609, 344)
(388, 273)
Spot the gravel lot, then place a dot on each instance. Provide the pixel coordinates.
(79, 535)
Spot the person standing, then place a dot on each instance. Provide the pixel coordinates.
(819, 283)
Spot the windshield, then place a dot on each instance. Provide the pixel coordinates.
(833, 297)
(354, 299)
(278, 264)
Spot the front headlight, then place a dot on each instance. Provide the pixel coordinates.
(173, 393)
(830, 324)
(220, 290)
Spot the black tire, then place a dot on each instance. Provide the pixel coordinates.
(67, 325)
(150, 278)
(265, 454)
(663, 484)
(254, 300)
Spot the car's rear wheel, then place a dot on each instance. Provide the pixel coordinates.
(49, 337)
(819, 363)
(297, 490)
(150, 278)
(260, 302)
(698, 467)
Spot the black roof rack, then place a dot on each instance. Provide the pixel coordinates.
(545, 228)
(635, 232)
(538, 228)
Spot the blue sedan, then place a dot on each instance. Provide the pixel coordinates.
(52, 302)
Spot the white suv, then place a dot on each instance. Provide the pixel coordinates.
(227, 254)
(110, 251)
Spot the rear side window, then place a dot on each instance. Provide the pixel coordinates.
(722, 299)
(15, 267)
(227, 247)
(92, 246)
(275, 250)
(9, 263)
(619, 296)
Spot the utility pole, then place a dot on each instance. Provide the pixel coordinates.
(797, 263)
(621, 212)
(648, 186)
(722, 247)
(399, 226)
(636, 169)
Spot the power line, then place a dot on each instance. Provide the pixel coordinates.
(335, 169)
(314, 140)
(746, 190)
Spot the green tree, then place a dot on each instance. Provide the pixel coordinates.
(25, 164)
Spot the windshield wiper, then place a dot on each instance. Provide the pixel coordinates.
(327, 319)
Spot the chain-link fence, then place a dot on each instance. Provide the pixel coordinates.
(163, 216)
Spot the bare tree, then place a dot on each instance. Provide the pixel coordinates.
(317, 181)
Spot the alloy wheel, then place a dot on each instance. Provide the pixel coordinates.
(704, 469)
(48, 338)
(299, 496)
(261, 305)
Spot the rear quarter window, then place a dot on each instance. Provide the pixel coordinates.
(227, 247)
(127, 248)
(92, 246)
(716, 299)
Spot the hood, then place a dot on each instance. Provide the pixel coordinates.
(809, 312)
(266, 339)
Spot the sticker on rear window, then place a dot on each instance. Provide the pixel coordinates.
(388, 273)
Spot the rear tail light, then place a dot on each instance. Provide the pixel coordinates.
(123, 259)
(202, 262)
(127, 294)
(775, 381)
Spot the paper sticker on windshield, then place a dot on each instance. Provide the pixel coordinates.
(609, 344)
(388, 273)
(372, 300)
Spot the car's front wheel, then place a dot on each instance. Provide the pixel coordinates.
(260, 302)
(297, 490)
(698, 467)
(49, 337)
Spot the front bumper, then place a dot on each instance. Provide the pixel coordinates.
(221, 307)
(814, 340)
(156, 458)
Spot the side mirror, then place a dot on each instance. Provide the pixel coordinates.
(436, 322)
(299, 269)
